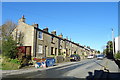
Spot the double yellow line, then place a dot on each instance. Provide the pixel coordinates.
(105, 67)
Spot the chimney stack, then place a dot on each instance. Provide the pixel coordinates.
(61, 36)
(35, 25)
(53, 32)
(45, 29)
(22, 19)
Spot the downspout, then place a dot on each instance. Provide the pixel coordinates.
(35, 30)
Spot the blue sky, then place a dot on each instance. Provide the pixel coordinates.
(87, 23)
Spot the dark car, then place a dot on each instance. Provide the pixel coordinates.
(74, 58)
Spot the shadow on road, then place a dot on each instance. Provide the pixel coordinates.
(49, 73)
(66, 78)
(102, 75)
(105, 74)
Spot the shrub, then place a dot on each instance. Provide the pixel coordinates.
(117, 56)
(10, 64)
(24, 62)
(60, 59)
(9, 47)
(16, 61)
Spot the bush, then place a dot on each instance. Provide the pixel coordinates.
(10, 64)
(9, 47)
(24, 62)
(51, 56)
(117, 56)
(16, 61)
(60, 59)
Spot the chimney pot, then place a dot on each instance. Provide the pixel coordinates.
(45, 29)
(22, 19)
(61, 36)
(53, 32)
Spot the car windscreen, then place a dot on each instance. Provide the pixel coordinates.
(72, 55)
(100, 56)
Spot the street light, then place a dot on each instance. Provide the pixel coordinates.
(113, 39)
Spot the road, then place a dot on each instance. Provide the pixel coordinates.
(72, 70)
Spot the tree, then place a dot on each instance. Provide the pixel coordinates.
(109, 49)
(9, 47)
(8, 44)
(98, 52)
(104, 51)
(7, 28)
(117, 55)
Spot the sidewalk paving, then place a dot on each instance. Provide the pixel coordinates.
(32, 69)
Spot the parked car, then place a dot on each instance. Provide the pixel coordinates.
(100, 57)
(75, 58)
(90, 57)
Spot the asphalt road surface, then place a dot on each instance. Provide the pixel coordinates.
(79, 69)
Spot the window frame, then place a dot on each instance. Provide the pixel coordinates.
(40, 49)
(52, 39)
(40, 34)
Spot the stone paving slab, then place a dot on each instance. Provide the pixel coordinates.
(33, 69)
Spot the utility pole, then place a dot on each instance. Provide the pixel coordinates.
(113, 40)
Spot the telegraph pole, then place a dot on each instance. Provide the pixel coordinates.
(113, 40)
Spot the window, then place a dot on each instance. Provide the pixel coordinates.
(72, 45)
(55, 51)
(60, 46)
(67, 43)
(19, 34)
(61, 42)
(40, 35)
(52, 38)
(52, 51)
(40, 48)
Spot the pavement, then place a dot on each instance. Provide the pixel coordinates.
(33, 69)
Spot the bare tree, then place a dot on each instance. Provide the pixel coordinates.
(7, 28)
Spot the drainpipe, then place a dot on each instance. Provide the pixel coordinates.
(35, 42)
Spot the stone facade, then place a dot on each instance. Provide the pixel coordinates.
(24, 34)
(43, 43)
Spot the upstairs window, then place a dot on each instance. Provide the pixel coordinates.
(40, 35)
(61, 41)
(67, 43)
(52, 38)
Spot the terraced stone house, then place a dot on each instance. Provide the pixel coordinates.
(41, 43)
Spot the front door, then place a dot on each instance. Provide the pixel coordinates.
(28, 51)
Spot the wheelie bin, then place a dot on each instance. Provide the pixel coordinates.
(50, 62)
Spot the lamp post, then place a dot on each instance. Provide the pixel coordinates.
(113, 40)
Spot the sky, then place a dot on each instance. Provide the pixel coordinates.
(60, 0)
(87, 23)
